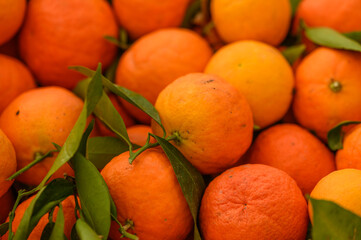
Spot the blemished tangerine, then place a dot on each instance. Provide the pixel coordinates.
(35, 120)
(210, 120)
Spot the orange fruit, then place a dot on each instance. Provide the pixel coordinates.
(35, 120)
(350, 155)
(138, 134)
(140, 17)
(7, 162)
(211, 120)
(327, 80)
(294, 150)
(128, 121)
(253, 201)
(15, 79)
(341, 187)
(6, 202)
(343, 17)
(156, 60)
(11, 17)
(59, 34)
(266, 21)
(261, 73)
(69, 218)
(148, 193)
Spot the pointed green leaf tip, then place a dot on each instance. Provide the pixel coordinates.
(190, 180)
(330, 221)
(335, 135)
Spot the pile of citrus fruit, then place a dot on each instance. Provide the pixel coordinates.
(180, 119)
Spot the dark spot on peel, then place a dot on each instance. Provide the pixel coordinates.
(208, 81)
(17, 113)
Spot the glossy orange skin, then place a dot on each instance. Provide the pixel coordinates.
(138, 134)
(11, 17)
(265, 21)
(253, 201)
(69, 218)
(261, 73)
(156, 60)
(15, 79)
(148, 193)
(343, 16)
(342, 187)
(316, 106)
(350, 155)
(296, 151)
(6, 202)
(128, 120)
(7, 162)
(140, 17)
(212, 119)
(59, 34)
(36, 119)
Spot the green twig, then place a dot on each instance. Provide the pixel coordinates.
(150, 145)
(123, 230)
(21, 193)
(38, 158)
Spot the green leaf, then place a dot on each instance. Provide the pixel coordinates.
(134, 98)
(106, 112)
(47, 198)
(101, 150)
(331, 221)
(190, 180)
(335, 135)
(58, 230)
(330, 38)
(70, 147)
(293, 53)
(191, 12)
(47, 231)
(354, 35)
(85, 232)
(4, 229)
(94, 195)
(111, 70)
(294, 5)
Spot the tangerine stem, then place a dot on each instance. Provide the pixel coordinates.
(122, 229)
(335, 86)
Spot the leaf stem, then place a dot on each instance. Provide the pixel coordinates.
(123, 230)
(148, 145)
(38, 158)
(21, 193)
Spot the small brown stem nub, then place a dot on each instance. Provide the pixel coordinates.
(335, 86)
